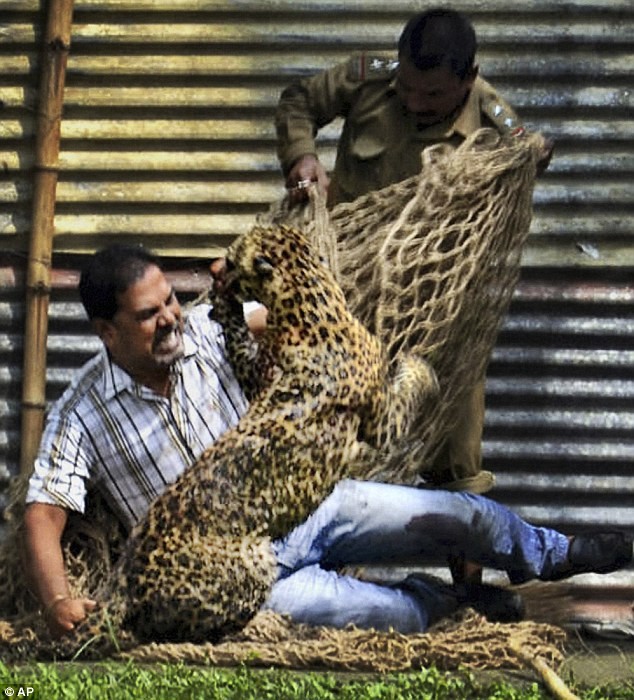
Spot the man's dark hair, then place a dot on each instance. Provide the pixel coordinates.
(110, 272)
(437, 38)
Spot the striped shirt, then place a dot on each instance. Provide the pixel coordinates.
(107, 432)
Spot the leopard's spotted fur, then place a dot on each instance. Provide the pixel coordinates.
(200, 563)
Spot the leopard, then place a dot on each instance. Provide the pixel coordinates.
(200, 563)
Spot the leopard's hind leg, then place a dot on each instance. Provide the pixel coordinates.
(411, 389)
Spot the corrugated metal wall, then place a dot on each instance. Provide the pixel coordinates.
(167, 137)
(167, 130)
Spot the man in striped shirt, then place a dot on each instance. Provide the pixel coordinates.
(161, 391)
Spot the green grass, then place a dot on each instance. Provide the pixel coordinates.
(129, 681)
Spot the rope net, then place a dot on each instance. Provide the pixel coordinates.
(429, 265)
(92, 544)
(272, 640)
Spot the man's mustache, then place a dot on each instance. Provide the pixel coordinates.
(165, 331)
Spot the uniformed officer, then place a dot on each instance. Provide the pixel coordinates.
(392, 110)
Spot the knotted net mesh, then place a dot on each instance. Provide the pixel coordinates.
(429, 265)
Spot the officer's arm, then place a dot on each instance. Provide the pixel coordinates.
(308, 105)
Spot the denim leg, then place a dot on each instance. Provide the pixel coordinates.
(382, 524)
(315, 596)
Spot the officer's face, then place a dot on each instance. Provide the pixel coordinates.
(432, 95)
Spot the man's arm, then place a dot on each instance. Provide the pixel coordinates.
(44, 525)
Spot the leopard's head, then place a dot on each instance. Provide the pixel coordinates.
(267, 264)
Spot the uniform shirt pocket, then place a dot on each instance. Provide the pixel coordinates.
(368, 142)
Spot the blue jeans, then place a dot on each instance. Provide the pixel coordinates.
(369, 523)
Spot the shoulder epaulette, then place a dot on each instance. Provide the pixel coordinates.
(371, 67)
(500, 113)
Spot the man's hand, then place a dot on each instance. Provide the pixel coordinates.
(46, 574)
(225, 305)
(255, 319)
(218, 269)
(64, 614)
(304, 172)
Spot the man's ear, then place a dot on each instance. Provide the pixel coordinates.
(472, 74)
(105, 330)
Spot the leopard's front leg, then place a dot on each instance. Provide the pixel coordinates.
(243, 350)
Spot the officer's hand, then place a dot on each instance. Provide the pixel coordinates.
(65, 614)
(305, 171)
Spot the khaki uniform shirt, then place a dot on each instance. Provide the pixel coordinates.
(381, 141)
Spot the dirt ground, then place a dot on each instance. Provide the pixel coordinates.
(589, 663)
(597, 662)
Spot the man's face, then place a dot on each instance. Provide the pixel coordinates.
(146, 333)
(432, 95)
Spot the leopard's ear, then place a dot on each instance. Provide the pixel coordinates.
(263, 266)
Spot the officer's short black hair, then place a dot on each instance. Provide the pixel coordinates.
(110, 272)
(438, 38)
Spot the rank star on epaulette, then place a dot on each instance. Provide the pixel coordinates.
(497, 112)
(383, 65)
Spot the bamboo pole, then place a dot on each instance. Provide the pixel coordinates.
(556, 686)
(47, 144)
